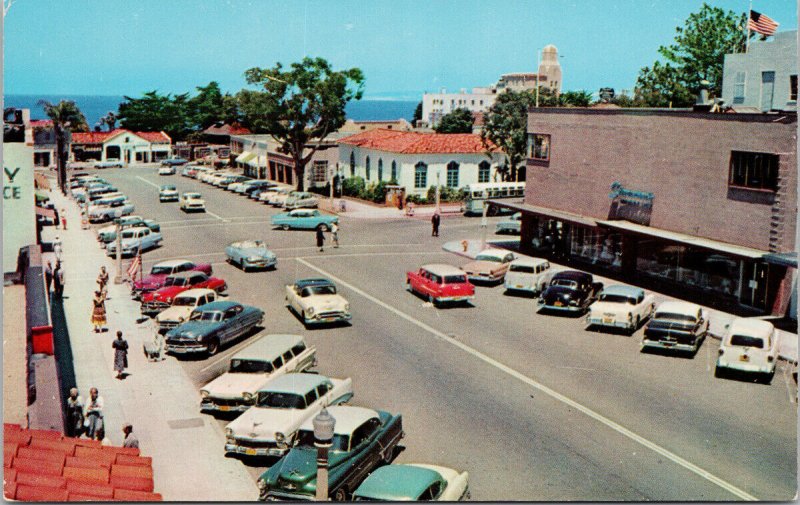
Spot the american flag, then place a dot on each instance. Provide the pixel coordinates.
(762, 24)
(134, 267)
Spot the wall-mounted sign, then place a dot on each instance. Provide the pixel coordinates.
(630, 205)
(19, 219)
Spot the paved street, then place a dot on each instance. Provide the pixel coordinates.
(533, 406)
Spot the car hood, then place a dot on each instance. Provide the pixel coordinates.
(610, 308)
(232, 385)
(194, 327)
(480, 266)
(167, 292)
(105, 230)
(262, 423)
(299, 466)
(325, 302)
(254, 251)
(174, 313)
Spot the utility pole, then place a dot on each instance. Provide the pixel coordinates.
(438, 183)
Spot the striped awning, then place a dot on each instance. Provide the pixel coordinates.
(244, 157)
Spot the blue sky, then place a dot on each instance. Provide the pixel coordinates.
(112, 47)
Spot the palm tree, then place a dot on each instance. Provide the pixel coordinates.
(67, 118)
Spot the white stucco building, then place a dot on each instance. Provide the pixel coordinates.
(19, 218)
(417, 160)
(125, 145)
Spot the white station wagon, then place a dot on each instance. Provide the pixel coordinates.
(621, 306)
(182, 307)
(252, 369)
(268, 428)
(749, 345)
(530, 275)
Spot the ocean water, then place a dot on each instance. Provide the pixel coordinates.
(96, 106)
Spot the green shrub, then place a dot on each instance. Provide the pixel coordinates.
(416, 199)
(446, 194)
(353, 186)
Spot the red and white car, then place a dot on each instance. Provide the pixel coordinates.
(160, 299)
(163, 269)
(440, 284)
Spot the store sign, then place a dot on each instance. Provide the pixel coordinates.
(630, 205)
(19, 218)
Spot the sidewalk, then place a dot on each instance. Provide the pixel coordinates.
(787, 343)
(157, 398)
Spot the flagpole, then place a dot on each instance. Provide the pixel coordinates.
(747, 40)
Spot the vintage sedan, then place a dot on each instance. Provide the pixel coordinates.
(109, 233)
(301, 200)
(134, 241)
(316, 301)
(267, 193)
(414, 482)
(106, 209)
(675, 325)
(182, 307)
(528, 275)
(168, 193)
(248, 187)
(490, 265)
(362, 440)
(510, 226)
(173, 162)
(269, 427)
(250, 254)
(211, 326)
(160, 299)
(440, 284)
(304, 219)
(167, 170)
(749, 346)
(570, 291)
(252, 369)
(109, 163)
(623, 307)
(192, 202)
(163, 269)
(276, 199)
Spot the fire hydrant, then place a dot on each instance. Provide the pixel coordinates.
(464, 245)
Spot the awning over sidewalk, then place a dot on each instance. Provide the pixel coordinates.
(41, 211)
(545, 212)
(682, 238)
(244, 157)
(788, 259)
(257, 161)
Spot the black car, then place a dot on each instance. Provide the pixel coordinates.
(570, 291)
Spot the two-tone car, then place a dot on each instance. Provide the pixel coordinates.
(304, 219)
(168, 193)
(250, 254)
(414, 482)
(676, 326)
(163, 269)
(301, 200)
(173, 162)
(135, 240)
(192, 202)
(510, 226)
(109, 163)
(622, 307)
(489, 266)
(570, 291)
(266, 194)
(182, 307)
(109, 233)
(528, 275)
(175, 284)
(212, 326)
(252, 368)
(749, 346)
(362, 440)
(440, 284)
(167, 170)
(281, 407)
(106, 209)
(317, 301)
(278, 197)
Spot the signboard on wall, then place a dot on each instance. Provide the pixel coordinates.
(630, 205)
(19, 219)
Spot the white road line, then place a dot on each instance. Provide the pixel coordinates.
(550, 392)
(148, 182)
(216, 216)
(223, 223)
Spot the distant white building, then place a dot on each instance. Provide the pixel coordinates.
(765, 77)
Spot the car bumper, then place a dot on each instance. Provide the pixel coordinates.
(210, 406)
(677, 346)
(743, 366)
(167, 198)
(611, 323)
(484, 277)
(520, 287)
(284, 496)
(153, 307)
(255, 451)
(264, 263)
(185, 348)
(454, 299)
(323, 318)
(562, 308)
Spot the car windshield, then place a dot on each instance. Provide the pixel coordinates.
(455, 279)
(527, 269)
(160, 270)
(208, 316)
(672, 316)
(191, 195)
(281, 401)
(488, 257)
(250, 366)
(617, 299)
(169, 188)
(128, 234)
(175, 281)
(251, 244)
(747, 341)
(567, 283)
(305, 438)
(318, 290)
(185, 301)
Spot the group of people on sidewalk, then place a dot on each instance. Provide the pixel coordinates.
(54, 277)
(87, 419)
(98, 319)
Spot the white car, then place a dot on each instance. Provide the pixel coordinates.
(109, 163)
(267, 194)
(750, 346)
(530, 275)
(301, 200)
(168, 193)
(316, 301)
(135, 240)
(621, 306)
(276, 199)
(109, 208)
(677, 326)
(252, 369)
(192, 202)
(268, 428)
(182, 307)
(511, 226)
(413, 482)
(168, 170)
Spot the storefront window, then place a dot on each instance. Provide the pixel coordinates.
(597, 246)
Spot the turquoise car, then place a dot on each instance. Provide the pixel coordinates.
(414, 482)
(304, 219)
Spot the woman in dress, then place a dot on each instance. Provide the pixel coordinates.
(120, 346)
(98, 311)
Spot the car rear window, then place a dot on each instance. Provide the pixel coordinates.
(250, 366)
(455, 279)
(671, 316)
(617, 299)
(526, 269)
(747, 341)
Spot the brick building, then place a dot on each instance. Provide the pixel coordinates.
(690, 203)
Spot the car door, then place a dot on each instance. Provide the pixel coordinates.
(233, 322)
(366, 449)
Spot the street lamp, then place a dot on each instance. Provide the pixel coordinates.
(438, 183)
(323, 438)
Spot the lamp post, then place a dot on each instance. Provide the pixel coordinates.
(323, 438)
(333, 179)
(118, 277)
(438, 183)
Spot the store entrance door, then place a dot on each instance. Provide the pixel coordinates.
(754, 287)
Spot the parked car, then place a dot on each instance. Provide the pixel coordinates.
(280, 196)
(163, 269)
(269, 427)
(316, 301)
(168, 193)
(250, 254)
(301, 201)
(110, 209)
(675, 325)
(172, 162)
(490, 265)
(109, 163)
(529, 275)
(109, 233)
(167, 170)
(252, 368)
(191, 201)
(135, 240)
(749, 346)
(413, 482)
(248, 187)
(182, 307)
(621, 306)
(217, 179)
(211, 326)
(510, 226)
(96, 192)
(570, 291)
(160, 299)
(440, 284)
(196, 172)
(267, 193)
(188, 171)
(224, 182)
(304, 219)
(363, 439)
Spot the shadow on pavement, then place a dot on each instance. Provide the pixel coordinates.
(63, 348)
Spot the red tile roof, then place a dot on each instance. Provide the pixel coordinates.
(155, 137)
(417, 143)
(100, 137)
(226, 129)
(41, 123)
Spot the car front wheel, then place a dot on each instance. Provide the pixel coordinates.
(340, 495)
(285, 227)
(213, 347)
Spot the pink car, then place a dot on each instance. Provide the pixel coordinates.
(160, 271)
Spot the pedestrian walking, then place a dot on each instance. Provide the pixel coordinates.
(436, 219)
(57, 248)
(153, 351)
(99, 312)
(102, 281)
(320, 238)
(48, 277)
(101, 436)
(56, 219)
(74, 413)
(410, 209)
(130, 438)
(63, 219)
(93, 413)
(58, 280)
(120, 346)
(335, 234)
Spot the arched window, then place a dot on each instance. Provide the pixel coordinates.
(394, 171)
(484, 170)
(366, 166)
(420, 175)
(452, 174)
(352, 164)
(380, 169)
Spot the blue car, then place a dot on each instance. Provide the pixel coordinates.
(213, 325)
(250, 254)
(304, 219)
(173, 162)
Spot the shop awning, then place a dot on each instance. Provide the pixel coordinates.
(704, 243)
(559, 215)
(41, 211)
(41, 196)
(244, 157)
(262, 161)
(788, 259)
(257, 161)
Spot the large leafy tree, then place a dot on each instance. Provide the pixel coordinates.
(156, 112)
(697, 54)
(505, 126)
(207, 107)
(457, 121)
(67, 118)
(300, 104)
